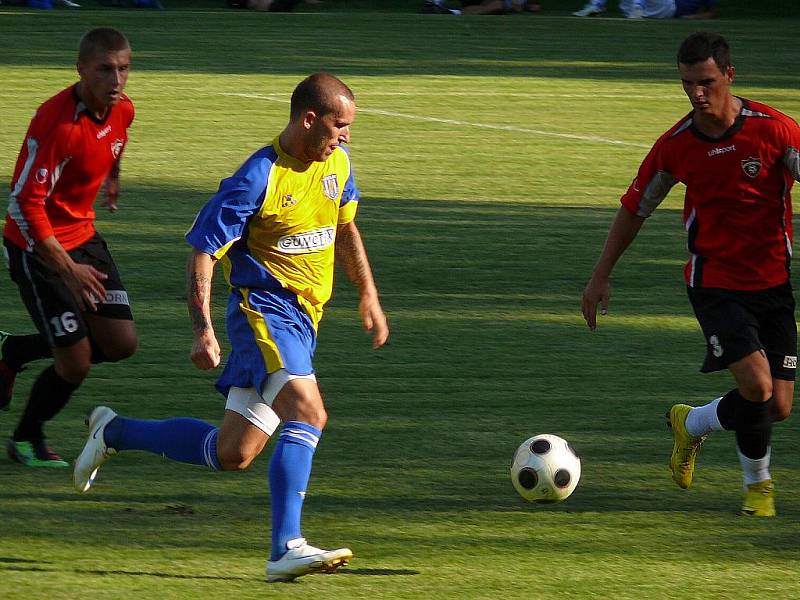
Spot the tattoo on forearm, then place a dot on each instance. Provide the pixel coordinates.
(353, 257)
(199, 295)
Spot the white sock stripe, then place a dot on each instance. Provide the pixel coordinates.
(301, 435)
(207, 449)
(299, 431)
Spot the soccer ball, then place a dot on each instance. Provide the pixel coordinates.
(545, 469)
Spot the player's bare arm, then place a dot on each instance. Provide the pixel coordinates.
(352, 256)
(112, 187)
(205, 353)
(85, 281)
(623, 231)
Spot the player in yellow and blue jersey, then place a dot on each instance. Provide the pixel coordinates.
(277, 224)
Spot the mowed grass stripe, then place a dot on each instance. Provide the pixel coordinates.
(481, 241)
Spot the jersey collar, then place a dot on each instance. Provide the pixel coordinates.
(288, 159)
(737, 125)
(82, 109)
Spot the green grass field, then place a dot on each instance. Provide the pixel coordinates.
(491, 153)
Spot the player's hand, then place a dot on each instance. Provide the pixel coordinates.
(374, 320)
(111, 193)
(597, 291)
(206, 353)
(86, 283)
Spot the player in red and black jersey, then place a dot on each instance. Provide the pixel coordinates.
(738, 160)
(65, 274)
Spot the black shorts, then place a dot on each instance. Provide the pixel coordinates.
(53, 307)
(737, 323)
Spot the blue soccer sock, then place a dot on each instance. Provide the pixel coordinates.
(182, 439)
(289, 470)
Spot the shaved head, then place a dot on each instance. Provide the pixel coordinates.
(100, 41)
(320, 93)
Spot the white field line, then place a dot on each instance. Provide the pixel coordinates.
(500, 94)
(387, 113)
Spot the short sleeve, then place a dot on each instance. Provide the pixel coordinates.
(652, 183)
(223, 219)
(348, 205)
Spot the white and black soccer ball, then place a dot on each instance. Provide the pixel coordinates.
(545, 469)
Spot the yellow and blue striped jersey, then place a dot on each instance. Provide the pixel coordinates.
(273, 223)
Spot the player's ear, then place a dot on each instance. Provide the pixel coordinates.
(731, 74)
(309, 118)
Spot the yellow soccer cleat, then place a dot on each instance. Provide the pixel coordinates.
(759, 499)
(684, 446)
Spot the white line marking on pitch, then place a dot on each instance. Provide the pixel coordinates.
(514, 128)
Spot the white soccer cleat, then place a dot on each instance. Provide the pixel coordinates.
(95, 452)
(302, 559)
(590, 10)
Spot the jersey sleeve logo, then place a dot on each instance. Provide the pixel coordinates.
(751, 167)
(116, 147)
(330, 185)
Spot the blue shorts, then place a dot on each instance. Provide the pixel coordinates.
(268, 331)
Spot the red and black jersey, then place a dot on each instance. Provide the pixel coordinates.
(737, 209)
(65, 158)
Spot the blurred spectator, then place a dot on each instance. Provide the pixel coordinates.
(497, 7)
(654, 9)
(438, 7)
(43, 4)
(265, 5)
(481, 7)
(133, 4)
(633, 9)
(695, 9)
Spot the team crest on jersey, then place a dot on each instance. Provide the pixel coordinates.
(751, 167)
(330, 185)
(288, 200)
(41, 175)
(116, 147)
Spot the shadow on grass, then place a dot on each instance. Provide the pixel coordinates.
(543, 47)
(8, 560)
(378, 572)
(107, 572)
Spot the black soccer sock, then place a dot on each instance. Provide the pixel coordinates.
(19, 350)
(727, 407)
(49, 394)
(754, 427)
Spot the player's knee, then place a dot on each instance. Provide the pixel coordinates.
(122, 350)
(316, 416)
(304, 407)
(781, 411)
(235, 459)
(73, 371)
(759, 390)
(319, 419)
